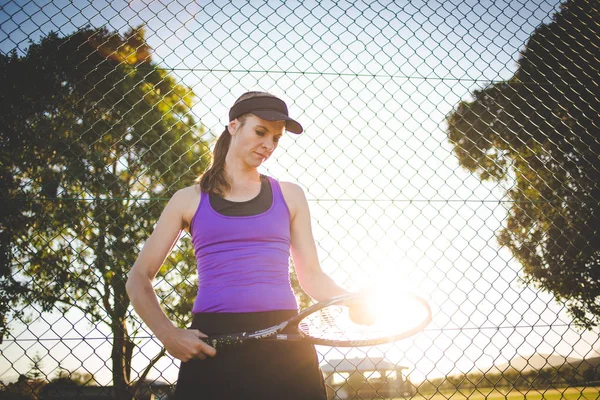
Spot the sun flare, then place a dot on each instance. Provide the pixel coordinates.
(395, 311)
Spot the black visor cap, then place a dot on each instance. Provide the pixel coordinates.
(268, 108)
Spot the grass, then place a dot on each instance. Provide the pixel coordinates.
(572, 393)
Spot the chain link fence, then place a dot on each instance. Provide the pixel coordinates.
(451, 149)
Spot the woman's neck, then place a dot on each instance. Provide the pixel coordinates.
(241, 174)
(237, 177)
(243, 186)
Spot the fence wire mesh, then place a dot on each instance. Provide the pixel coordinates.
(451, 149)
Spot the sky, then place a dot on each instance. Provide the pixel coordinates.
(372, 84)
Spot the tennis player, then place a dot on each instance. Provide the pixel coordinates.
(243, 226)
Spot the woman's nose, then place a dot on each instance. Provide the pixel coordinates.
(268, 144)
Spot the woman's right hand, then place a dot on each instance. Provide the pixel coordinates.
(187, 344)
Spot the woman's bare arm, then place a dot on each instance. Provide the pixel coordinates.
(311, 277)
(183, 344)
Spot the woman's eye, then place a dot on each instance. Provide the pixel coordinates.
(260, 133)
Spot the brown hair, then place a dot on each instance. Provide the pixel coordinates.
(215, 180)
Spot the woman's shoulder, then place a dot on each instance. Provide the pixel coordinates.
(186, 193)
(187, 201)
(291, 187)
(293, 195)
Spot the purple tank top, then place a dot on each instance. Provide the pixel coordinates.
(243, 261)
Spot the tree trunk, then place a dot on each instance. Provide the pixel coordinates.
(122, 352)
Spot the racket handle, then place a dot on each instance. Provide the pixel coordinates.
(219, 341)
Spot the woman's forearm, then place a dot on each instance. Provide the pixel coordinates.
(321, 287)
(144, 301)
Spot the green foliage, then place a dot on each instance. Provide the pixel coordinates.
(36, 365)
(94, 139)
(302, 298)
(23, 388)
(541, 129)
(76, 378)
(34, 385)
(558, 393)
(582, 373)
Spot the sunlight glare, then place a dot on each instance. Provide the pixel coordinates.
(395, 311)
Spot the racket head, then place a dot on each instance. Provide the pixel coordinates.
(395, 316)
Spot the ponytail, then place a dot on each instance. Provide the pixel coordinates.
(215, 179)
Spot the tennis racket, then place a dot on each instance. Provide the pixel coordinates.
(350, 320)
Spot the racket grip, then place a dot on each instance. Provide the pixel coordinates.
(220, 341)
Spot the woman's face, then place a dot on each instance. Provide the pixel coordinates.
(255, 140)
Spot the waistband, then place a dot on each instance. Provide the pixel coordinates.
(219, 323)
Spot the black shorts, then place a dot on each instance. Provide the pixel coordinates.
(256, 370)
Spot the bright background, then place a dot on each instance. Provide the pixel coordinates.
(372, 84)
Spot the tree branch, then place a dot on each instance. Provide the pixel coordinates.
(146, 371)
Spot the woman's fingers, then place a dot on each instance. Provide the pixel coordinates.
(200, 334)
(206, 348)
(187, 344)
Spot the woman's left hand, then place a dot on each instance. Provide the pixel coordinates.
(361, 311)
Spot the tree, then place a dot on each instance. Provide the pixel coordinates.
(23, 388)
(302, 298)
(94, 139)
(73, 378)
(36, 372)
(64, 383)
(11, 219)
(541, 130)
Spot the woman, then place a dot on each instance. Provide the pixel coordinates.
(243, 226)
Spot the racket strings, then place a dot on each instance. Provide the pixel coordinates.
(334, 323)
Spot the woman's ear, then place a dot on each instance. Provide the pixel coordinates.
(232, 127)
